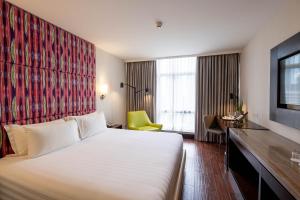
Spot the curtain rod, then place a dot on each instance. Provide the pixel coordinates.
(196, 55)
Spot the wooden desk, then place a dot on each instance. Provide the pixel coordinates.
(225, 125)
(259, 161)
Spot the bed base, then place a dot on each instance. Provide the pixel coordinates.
(180, 178)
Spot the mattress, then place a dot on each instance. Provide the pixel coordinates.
(115, 164)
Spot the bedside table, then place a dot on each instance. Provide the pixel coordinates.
(118, 126)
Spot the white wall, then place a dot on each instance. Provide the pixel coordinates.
(110, 70)
(255, 66)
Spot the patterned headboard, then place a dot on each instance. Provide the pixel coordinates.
(46, 73)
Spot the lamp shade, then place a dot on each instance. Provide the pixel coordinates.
(103, 90)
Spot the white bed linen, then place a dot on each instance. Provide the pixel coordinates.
(115, 164)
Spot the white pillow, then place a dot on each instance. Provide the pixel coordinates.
(90, 124)
(45, 139)
(18, 138)
(79, 116)
(10, 129)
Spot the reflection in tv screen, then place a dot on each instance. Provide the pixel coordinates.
(290, 80)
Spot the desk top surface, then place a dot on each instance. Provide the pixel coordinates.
(274, 153)
(245, 125)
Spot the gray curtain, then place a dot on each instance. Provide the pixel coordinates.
(141, 75)
(217, 76)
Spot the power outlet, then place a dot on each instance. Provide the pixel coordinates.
(256, 117)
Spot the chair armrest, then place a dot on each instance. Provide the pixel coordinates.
(156, 125)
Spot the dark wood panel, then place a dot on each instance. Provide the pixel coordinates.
(271, 187)
(245, 175)
(278, 112)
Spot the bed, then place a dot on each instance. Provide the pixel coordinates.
(115, 164)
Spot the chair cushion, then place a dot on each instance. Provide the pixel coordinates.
(148, 128)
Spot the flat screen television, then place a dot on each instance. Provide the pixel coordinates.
(285, 82)
(289, 82)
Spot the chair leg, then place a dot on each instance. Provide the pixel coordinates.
(206, 136)
(220, 141)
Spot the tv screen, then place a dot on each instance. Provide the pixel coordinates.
(289, 82)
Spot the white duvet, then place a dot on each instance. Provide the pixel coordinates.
(115, 164)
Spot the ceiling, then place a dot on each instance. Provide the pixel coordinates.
(126, 28)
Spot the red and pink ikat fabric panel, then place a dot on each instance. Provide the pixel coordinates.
(1, 32)
(46, 72)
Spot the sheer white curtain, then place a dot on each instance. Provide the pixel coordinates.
(175, 106)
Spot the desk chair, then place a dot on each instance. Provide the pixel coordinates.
(211, 126)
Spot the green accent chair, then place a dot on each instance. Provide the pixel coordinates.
(139, 120)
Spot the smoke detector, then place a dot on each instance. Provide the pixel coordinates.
(158, 24)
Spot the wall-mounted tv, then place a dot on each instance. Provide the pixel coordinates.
(289, 82)
(285, 82)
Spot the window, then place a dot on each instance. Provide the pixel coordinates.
(175, 107)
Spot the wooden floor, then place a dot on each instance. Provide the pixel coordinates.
(205, 175)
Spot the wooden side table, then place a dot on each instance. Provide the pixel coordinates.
(118, 126)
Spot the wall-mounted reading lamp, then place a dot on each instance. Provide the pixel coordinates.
(232, 96)
(134, 91)
(238, 102)
(103, 91)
